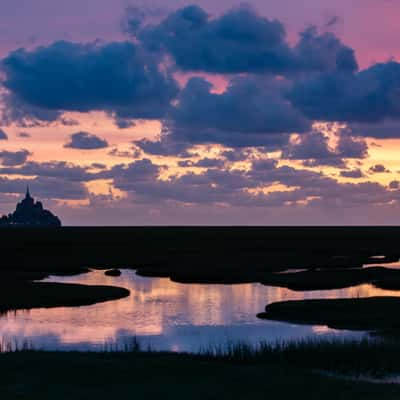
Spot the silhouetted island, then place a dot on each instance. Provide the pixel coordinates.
(30, 213)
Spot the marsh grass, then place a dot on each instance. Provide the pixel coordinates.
(375, 357)
(371, 356)
(13, 345)
(128, 345)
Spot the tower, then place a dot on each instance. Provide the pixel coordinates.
(27, 195)
(28, 201)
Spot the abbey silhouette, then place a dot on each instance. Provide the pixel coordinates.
(30, 213)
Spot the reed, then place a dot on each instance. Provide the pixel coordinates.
(371, 356)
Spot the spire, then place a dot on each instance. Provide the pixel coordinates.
(27, 195)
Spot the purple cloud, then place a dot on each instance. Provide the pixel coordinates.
(86, 141)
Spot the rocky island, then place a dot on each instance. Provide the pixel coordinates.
(30, 213)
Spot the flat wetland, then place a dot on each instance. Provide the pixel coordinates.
(312, 301)
(28, 375)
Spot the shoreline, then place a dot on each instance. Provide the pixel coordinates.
(153, 375)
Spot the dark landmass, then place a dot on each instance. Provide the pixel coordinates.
(370, 314)
(112, 272)
(167, 250)
(30, 213)
(39, 375)
(333, 256)
(19, 289)
(26, 295)
(380, 277)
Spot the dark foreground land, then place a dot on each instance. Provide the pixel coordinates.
(332, 257)
(329, 257)
(181, 249)
(39, 375)
(26, 295)
(379, 314)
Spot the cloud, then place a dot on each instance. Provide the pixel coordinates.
(394, 185)
(242, 188)
(51, 169)
(132, 153)
(24, 135)
(350, 147)
(387, 129)
(13, 158)
(166, 145)
(332, 21)
(3, 135)
(86, 141)
(43, 187)
(203, 163)
(127, 176)
(115, 77)
(240, 40)
(250, 112)
(323, 53)
(124, 123)
(378, 169)
(214, 185)
(247, 106)
(355, 173)
(369, 96)
(16, 110)
(312, 145)
(235, 155)
(314, 148)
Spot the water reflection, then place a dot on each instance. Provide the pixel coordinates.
(168, 316)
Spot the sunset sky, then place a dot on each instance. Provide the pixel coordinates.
(273, 112)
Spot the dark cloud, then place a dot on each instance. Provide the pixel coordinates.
(238, 41)
(355, 173)
(44, 187)
(115, 77)
(124, 123)
(231, 187)
(3, 135)
(313, 145)
(247, 106)
(51, 169)
(165, 146)
(135, 17)
(332, 21)
(127, 176)
(315, 149)
(371, 95)
(265, 172)
(86, 141)
(335, 162)
(24, 115)
(141, 181)
(251, 112)
(350, 147)
(16, 110)
(133, 153)
(203, 163)
(378, 169)
(68, 121)
(235, 155)
(395, 185)
(323, 53)
(386, 129)
(24, 135)
(13, 158)
(98, 166)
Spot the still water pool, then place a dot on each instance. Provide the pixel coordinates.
(168, 316)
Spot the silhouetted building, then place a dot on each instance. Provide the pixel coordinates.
(30, 213)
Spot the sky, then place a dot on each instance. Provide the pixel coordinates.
(274, 112)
